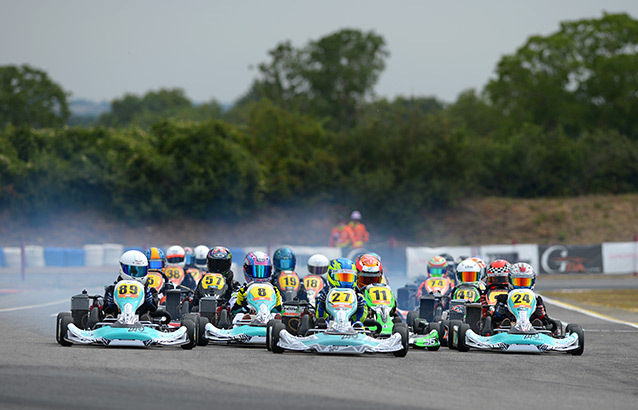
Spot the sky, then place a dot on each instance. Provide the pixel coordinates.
(101, 50)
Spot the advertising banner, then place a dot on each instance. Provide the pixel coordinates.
(620, 257)
(566, 259)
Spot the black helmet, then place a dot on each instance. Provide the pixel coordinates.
(219, 260)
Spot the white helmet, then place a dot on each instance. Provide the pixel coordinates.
(318, 264)
(356, 215)
(201, 252)
(175, 255)
(134, 266)
(468, 271)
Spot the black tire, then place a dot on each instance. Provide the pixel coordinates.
(276, 329)
(421, 326)
(460, 342)
(224, 320)
(63, 320)
(201, 340)
(444, 324)
(487, 330)
(95, 316)
(80, 318)
(411, 318)
(186, 308)
(191, 332)
(304, 326)
(451, 334)
(437, 327)
(574, 328)
(557, 327)
(269, 327)
(405, 340)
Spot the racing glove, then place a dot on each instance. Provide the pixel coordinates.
(500, 311)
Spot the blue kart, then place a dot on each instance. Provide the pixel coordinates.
(339, 335)
(126, 329)
(522, 336)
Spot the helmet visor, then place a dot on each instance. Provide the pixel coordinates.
(344, 277)
(155, 264)
(436, 271)
(317, 270)
(522, 282)
(468, 276)
(175, 259)
(285, 264)
(368, 280)
(497, 279)
(135, 271)
(259, 271)
(201, 262)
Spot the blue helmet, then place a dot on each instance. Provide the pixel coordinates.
(156, 258)
(284, 259)
(342, 273)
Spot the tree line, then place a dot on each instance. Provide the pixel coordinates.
(557, 120)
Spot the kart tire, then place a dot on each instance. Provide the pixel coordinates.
(487, 330)
(574, 328)
(224, 320)
(452, 333)
(186, 308)
(304, 326)
(405, 339)
(444, 324)
(201, 340)
(437, 327)
(411, 319)
(558, 327)
(276, 329)
(191, 332)
(62, 322)
(460, 341)
(269, 327)
(80, 318)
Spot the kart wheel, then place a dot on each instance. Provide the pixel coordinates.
(487, 327)
(191, 332)
(452, 333)
(431, 327)
(304, 326)
(276, 329)
(80, 318)
(269, 326)
(460, 341)
(574, 328)
(201, 340)
(405, 339)
(224, 320)
(445, 325)
(410, 319)
(62, 322)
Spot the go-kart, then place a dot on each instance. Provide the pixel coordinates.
(125, 330)
(288, 285)
(339, 335)
(248, 328)
(522, 336)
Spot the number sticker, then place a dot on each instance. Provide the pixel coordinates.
(380, 296)
(213, 281)
(174, 272)
(491, 296)
(129, 290)
(437, 285)
(344, 299)
(195, 273)
(313, 282)
(155, 280)
(467, 294)
(288, 281)
(262, 292)
(522, 299)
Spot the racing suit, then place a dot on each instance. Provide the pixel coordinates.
(151, 300)
(483, 300)
(357, 316)
(501, 312)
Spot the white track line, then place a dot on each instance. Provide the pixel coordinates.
(589, 312)
(57, 302)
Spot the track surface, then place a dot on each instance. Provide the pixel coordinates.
(35, 372)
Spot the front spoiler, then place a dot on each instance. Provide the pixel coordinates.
(527, 342)
(349, 343)
(429, 340)
(126, 336)
(244, 334)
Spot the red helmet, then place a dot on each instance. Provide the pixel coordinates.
(369, 270)
(498, 271)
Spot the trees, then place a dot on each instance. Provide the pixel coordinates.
(585, 76)
(28, 97)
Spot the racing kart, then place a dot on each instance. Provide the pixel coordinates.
(248, 328)
(339, 335)
(126, 329)
(522, 336)
(288, 285)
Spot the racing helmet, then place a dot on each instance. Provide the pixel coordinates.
(468, 271)
(481, 263)
(369, 271)
(284, 259)
(318, 264)
(134, 266)
(257, 267)
(219, 260)
(189, 256)
(498, 272)
(355, 215)
(437, 267)
(342, 273)
(522, 276)
(175, 255)
(156, 258)
(200, 253)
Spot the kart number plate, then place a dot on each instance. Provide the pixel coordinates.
(129, 290)
(289, 281)
(436, 285)
(491, 296)
(342, 299)
(313, 282)
(195, 273)
(213, 281)
(175, 274)
(155, 280)
(467, 294)
(262, 292)
(380, 296)
(522, 299)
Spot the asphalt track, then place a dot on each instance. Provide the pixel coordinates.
(35, 372)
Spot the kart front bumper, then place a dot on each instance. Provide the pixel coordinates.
(348, 343)
(141, 336)
(244, 334)
(530, 343)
